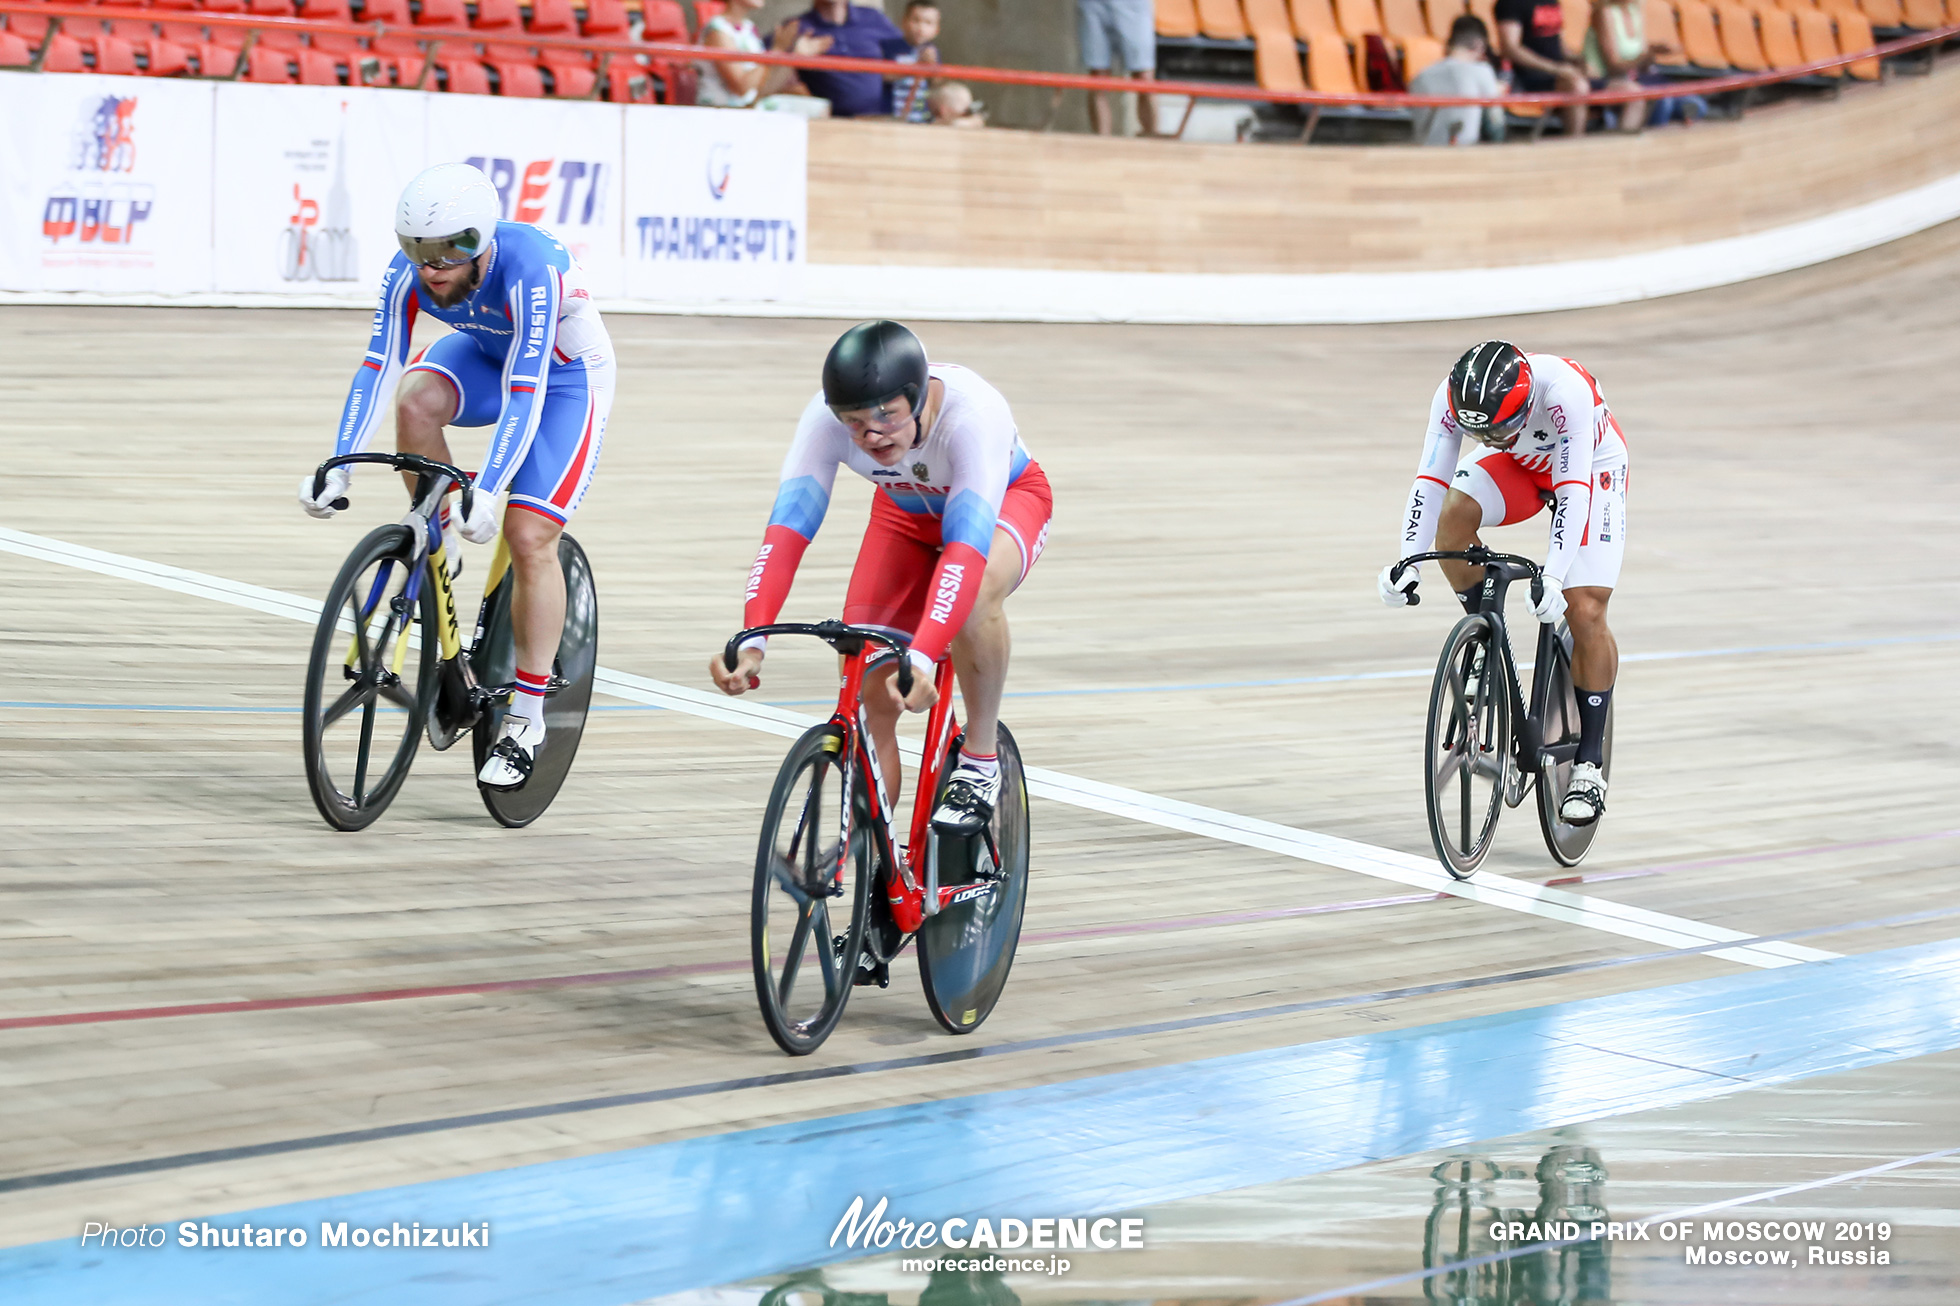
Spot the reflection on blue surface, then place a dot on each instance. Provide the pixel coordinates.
(611, 1229)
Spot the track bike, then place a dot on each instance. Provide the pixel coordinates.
(389, 665)
(837, 898)
(1485, 751)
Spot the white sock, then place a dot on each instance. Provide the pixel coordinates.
(987, 764)
(527, 701)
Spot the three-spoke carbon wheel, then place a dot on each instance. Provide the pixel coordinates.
(967, 949)
(813, 884)
(1469, 740)
(1567, 843)
(368, 685)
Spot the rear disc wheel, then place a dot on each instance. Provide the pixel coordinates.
(966, 951)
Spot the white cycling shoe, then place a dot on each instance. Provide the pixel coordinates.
(968, 803)
(513, 755)
(1585, 796)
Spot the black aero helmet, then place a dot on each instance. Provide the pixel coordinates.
(874, 362)
(1490, 391)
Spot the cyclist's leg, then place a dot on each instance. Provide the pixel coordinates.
(982, 648)
(1490, 489)
(888, 592)
(544, 493)
(1588, 590)
(451, 383)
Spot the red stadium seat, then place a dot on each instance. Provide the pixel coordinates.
(628, 83)
(14, 52)
(327, 11)
(443, 13)
(463, 75)
(392, 12)
(497, 16)
(215, 60)
(572, 74)
(519, 80)
(113, 55)
(64, 55)
(705, 12)
(322, 68)
(553, 18)
(271, 66)
(662, 20)
(270, 8)
(605, 18)
(222, 6)
(168, 58)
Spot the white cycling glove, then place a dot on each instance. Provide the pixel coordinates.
(480, 527)
(1397, 593)
(322, 505)
(1550, 608)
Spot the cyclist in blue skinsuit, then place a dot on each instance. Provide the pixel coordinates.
(527, 357)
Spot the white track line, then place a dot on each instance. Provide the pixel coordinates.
(1189, 818)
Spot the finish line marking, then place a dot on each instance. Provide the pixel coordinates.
(1113, 800)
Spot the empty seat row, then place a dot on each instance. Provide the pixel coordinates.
(664, 20)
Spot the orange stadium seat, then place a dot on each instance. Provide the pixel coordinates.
(1312, 18)
(1329, 68)
(1441, 13)
(1663, 31)
(1884, 13)
(1776, 29)
(1268, 16)
(1358, 18)
(1738, 27)
(1816, 38)
(1924, 14)
(1699, 39)
(1221, 20)
(604, 18)
(662, 20)
(1276, 58)
(1177, 20)
(1854, 33)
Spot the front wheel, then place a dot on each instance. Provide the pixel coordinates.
(967, 949)
(368, 684)
(1567, 843)
(813, 884)
(1468, 739)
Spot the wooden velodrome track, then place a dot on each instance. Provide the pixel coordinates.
(1203, 627)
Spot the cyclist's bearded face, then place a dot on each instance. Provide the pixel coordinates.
(885, 432)
(449, 286)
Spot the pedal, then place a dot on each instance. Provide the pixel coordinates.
(871, 971)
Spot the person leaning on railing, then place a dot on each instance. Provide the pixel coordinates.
(1463, 70)
(1530, 33)
(727, 85)
(1617, 54)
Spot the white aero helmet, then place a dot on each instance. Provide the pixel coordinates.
(448, 215)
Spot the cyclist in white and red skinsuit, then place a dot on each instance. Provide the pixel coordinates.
(1542, 427)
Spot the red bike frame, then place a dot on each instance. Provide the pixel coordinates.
(912, 893)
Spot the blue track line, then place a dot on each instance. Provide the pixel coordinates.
(621, 1227)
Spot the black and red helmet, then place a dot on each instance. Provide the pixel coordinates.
(1490, 392)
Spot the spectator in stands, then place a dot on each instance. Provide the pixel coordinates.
(1464, 70)
(740, 85)
(1128, 27)
(1618, 56)
(1529, 35)
(853, 32)
(918, 45)
(952, 105)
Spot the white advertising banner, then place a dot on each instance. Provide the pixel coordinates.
(306, 183)
(716, 204)
(105, 184)
(555, 163)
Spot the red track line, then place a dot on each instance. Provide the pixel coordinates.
(722, 967)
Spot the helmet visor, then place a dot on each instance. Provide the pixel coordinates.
(442, 251)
